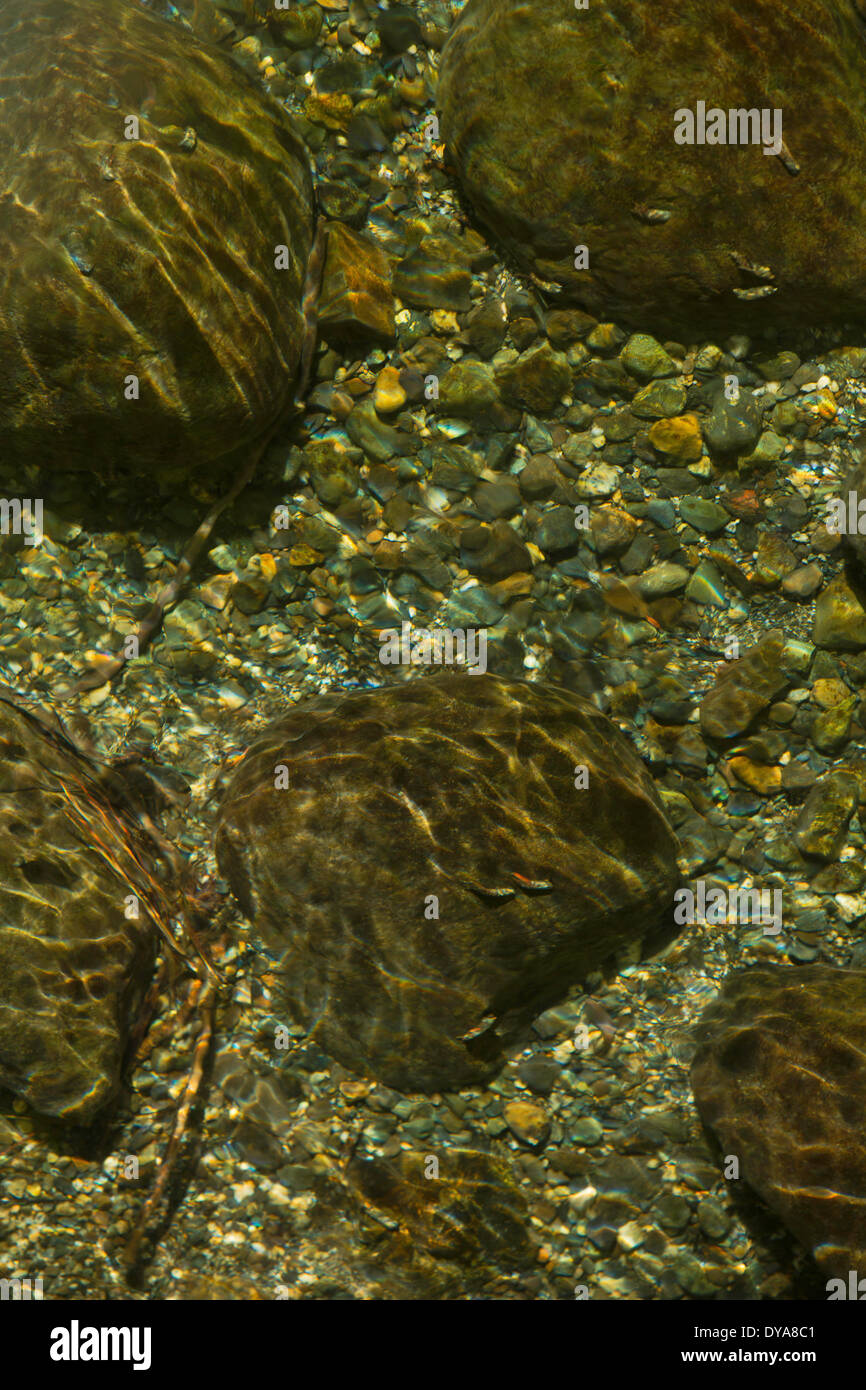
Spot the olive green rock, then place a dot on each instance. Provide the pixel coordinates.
(74, 967)
(535, 381)
(644, 358)
(831, 728)
(840, 618)
(426, 874)
(780, 1078)
(822, 826)
(333, 473)
(146, 321)
(467, 388)
(560, 123)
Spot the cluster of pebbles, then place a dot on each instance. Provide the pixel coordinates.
(456, 421)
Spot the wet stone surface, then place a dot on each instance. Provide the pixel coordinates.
(600, 145)
(74, 966)
(779, 1077)
(421, 890)
(126, 282)
(408, 491)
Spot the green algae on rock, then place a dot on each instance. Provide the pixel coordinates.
(149, 319)
(425, 872)
(74, 967)
(780, 1078)
(560, 123)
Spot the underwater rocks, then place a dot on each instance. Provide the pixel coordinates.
(472, 1211)
(822, 826)
(780, 1078)
(745, 688)
(73, 967)
(452, 1224)
(146, 321)
(424, 871)
(356, 302)
(840, 619)
(560, 122)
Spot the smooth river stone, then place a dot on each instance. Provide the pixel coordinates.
(454, 789)
(152, 257)
(560, 124)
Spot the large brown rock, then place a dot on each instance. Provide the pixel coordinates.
(780, 1077)
(151, 258)
(425, 872)
(74, 967)
(560, 122)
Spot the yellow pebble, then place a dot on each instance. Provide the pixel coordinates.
(829, 692)
(389, 394)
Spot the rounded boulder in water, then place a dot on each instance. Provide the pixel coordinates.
(779, 1076)
(149, 322)
(429, 870)
(566, 128)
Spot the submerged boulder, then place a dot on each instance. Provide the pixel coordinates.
(148, 321)
(561, 124)
(780, 1078)
(74, 968)
(428, 866)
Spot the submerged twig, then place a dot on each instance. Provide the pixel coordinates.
(205, 998)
